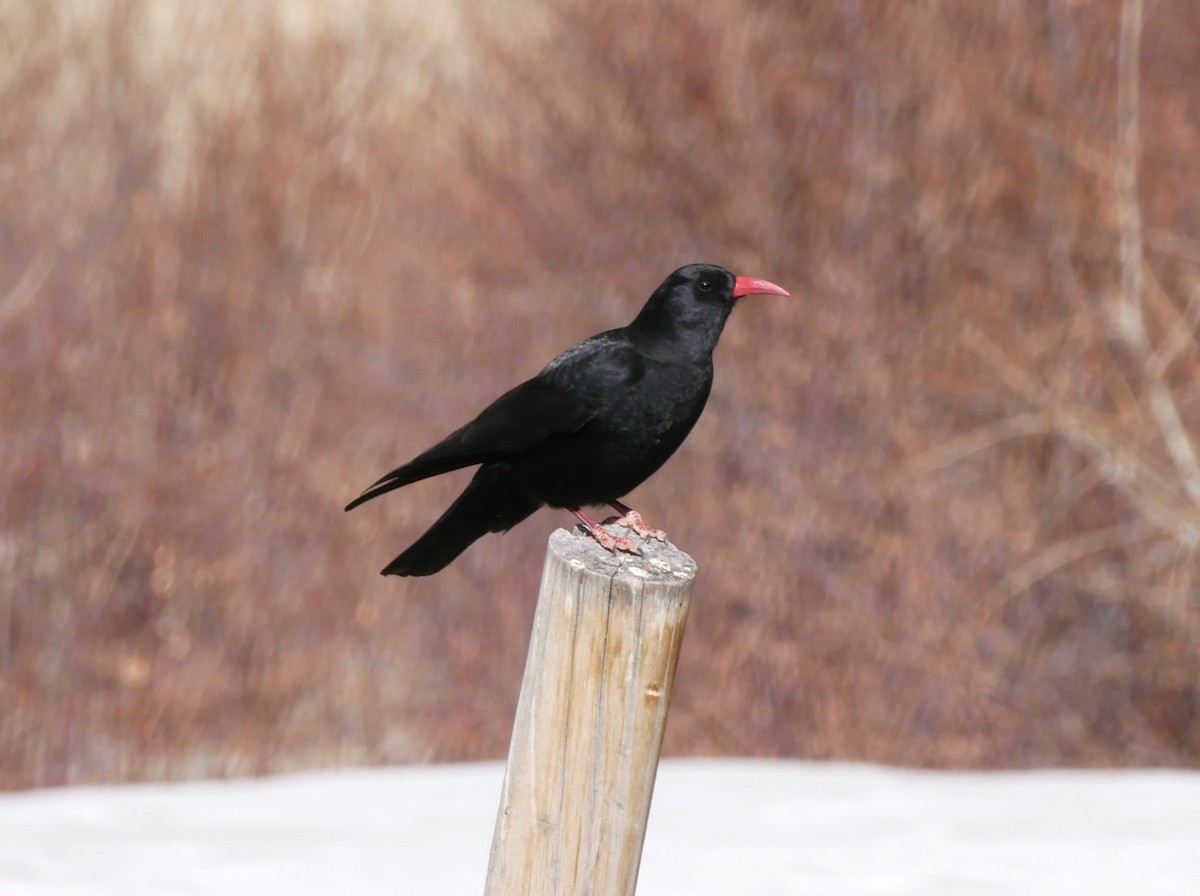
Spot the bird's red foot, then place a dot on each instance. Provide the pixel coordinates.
(607, 540)
(614, 543)
(631, 519)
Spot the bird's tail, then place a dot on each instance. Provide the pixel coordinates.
(422, 467)
(488, 504)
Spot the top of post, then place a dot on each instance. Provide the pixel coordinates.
(659, 563)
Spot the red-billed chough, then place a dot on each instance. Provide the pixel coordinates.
(592, 426)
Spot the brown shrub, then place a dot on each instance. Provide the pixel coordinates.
(251, 257)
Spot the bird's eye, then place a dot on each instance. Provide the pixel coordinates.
(704, 286)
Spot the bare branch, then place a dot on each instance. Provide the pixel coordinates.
(1149, 485)
(1175, 437)
(1130, 317)
(1068, 551)
(26, 288)
(1183, 327)
(1125, 178)
(980, 438)
(1172, 243)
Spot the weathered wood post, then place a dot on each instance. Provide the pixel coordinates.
(590, 719)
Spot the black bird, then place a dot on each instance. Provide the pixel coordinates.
(592, 426)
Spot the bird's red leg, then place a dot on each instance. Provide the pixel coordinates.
(607, 540)
(631, 519)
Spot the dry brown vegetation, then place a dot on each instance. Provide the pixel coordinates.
(946, 503)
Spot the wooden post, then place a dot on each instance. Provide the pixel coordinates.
(590, 719)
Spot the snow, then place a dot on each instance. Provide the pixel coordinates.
(736, 827)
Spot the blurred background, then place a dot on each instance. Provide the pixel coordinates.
(945, 500)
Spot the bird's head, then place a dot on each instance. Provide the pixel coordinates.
(711, 284)
(697, 299)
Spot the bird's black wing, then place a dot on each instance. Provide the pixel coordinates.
(573, 388)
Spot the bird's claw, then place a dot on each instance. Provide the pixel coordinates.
(614, 543)
(631, 519)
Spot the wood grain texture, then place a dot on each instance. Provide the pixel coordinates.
(590, 719)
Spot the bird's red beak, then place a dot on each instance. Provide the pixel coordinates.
(752, 286)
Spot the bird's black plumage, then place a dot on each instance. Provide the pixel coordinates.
(593, 425)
